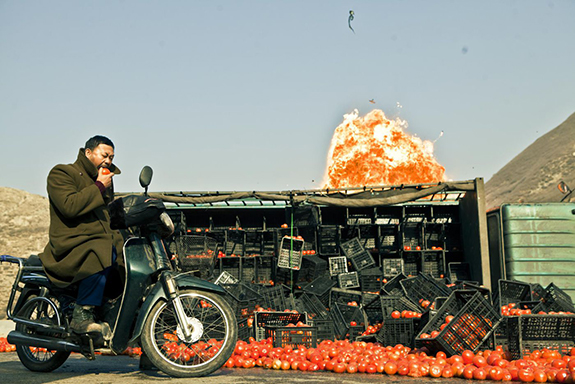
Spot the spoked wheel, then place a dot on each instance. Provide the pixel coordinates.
(213, 339)
(34, 358)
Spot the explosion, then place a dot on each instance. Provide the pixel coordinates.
(373, 150)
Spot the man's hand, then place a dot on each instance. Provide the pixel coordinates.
(105, 177)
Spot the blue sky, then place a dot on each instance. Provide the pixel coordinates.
(245, 95)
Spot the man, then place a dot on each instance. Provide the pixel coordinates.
(82, 247)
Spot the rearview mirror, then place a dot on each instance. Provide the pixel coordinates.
(146, 177)
(563, 187)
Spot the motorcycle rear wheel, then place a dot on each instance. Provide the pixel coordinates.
(34, 358)
(215, 334)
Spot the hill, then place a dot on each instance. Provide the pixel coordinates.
(532, 176)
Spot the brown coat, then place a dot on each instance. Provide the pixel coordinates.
(81, 239)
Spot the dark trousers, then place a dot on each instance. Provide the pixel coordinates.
(91, 289)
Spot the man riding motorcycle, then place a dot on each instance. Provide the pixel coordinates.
(82, 248)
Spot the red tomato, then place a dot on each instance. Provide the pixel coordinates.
(105, 171)
(467, 356)
(390, 367)
(495, 373)
(447, 372)
(539, 376)
(526, 375)
(371, 368)
(351, 368)
(435, 370)
(468, 371)
(395, 315)
(340, 368)
(479, 374)
(479, 361)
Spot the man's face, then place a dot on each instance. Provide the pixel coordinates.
(101, 156)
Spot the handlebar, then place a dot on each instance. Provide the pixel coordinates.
(11, 259)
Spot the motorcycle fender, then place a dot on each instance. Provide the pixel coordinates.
(157, 293)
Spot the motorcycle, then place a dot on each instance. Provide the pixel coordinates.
(183, 324)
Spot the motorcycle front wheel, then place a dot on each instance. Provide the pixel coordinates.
(34, 358)
(214, 335)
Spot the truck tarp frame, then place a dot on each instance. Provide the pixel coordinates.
(348, 197)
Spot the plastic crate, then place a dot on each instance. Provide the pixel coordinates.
(423, 287)
(265, 269)
(527, 333)
(433, 263)
(197, 254)
(234, 242)
(371, 279)
(320, 287)
(226, 278)
(313, 306)
(248, 270)
(392, 267)
(474, 322)
(388, 304)
(348, 280)
(360, 258)
(485, 292)
(397, 331)
(368, 236)
(344, 296)
(511, 291)
(290, 253)
(411, 263)
(337, 265)
(312, 267)
(353, 332)
(412, 234)
(392, 287)
(293, 336)
(275, 297)
(372, 309)
(325, 328)
(343, 316)
(244, 331)
(556, 300)
(328, 239)
(434, 235)
(356, 219)
(264, 319)
(458, 271)
(231, 265)
(388, 238)
(537, 291)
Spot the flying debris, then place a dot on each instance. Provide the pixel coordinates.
(441, 134)
(372, 101)
(350, 19)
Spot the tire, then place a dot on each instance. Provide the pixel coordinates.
(33, 358)
(162, 339)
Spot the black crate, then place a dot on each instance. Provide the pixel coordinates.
(434, 236)
(458, 271)
(388, 304)
(253, 242)
(397, 331)
(235, 242)
(412, 235)
(392, 267)
(337, 265)
(392, 287)
(412, 262)
(325, 328)
(485, 292)
(388, 238)
(313, 306)
(275, 297)
(268, 243)
(348, 280)
(231, 265)
(537, 291)
(368, 236)
(371, 279)
(312, 268)
(372, 309)
(197, 255)
(423, 287)
(527, 333)
(288, 277)
(293, 336)
(320, 287)
(328, 239)
(360, 258)
(290, 253)
(474, 322)
(244, 331)
(511, 291)
(344, 316)
(248, 274)
(354, 332)
(433, 263)
(557, 300)
(265, 269)
(344, 296)
(241, 291)
(264, 319)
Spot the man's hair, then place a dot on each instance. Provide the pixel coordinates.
(93, 142)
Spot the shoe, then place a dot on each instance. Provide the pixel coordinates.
(146, 364)
(83, 321)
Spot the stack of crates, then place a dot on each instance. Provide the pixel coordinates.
(356, 253)
(328, 239)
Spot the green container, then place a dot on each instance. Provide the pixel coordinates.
(534, 243)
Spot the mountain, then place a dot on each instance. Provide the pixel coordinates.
(532, 176)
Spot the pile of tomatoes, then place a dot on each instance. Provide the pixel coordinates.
(5, 347)
(343, 356)
(511, 309)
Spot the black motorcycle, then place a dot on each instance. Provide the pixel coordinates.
(182, 323)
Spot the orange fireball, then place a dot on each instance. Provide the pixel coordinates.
(373, 150)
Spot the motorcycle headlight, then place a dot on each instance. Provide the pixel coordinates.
(166, 227)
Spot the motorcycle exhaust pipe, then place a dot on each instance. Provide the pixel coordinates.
(49, 343)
